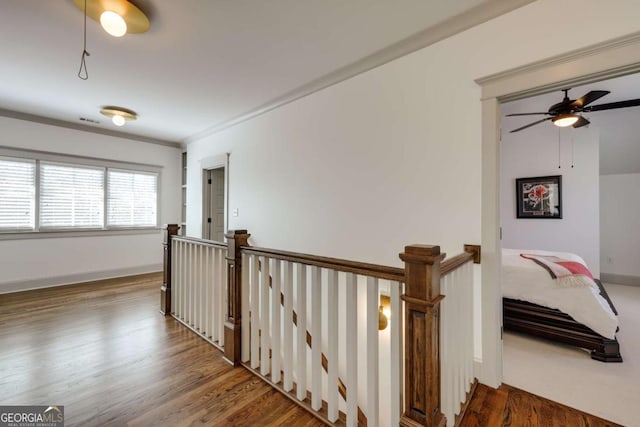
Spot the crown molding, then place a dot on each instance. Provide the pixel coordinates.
(85, 128)
(457, 24)
(592, 63)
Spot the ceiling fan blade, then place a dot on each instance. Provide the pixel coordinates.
(588, 98)
(524, 114)
(581, 122)
(614, 105)
(530, 124)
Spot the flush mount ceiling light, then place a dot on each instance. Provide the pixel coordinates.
(564, 120)
(117, 17)
(118, 115)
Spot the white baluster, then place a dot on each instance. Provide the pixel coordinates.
(445, 358)
(189, 287)
(276, 352)
(316, 339)
(469, 311)
(460, 340)
(396, 352)
(372, 352)
(174, 275)
(351, 323)
(301, 342)
(245, 321)
(222, 285)
(183, 281)
(265, 328)
(200, 294)
(208, 293)
(255, 313)
(287, 332)
(332, 346)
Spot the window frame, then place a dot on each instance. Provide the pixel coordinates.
(80, 161)
(106, 198)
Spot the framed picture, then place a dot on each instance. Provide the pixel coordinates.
(539, 197)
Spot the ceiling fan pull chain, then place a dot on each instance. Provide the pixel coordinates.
(83, 73)
(572, 147)
(559, 148)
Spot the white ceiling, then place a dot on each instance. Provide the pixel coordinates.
(203, 62)
(619, 129)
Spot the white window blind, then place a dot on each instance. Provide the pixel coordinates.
(17, 194)
(132, 199)
(71, 196)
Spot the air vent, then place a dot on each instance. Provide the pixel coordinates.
(85, 119)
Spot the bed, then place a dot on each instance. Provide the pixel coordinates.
(572, 309)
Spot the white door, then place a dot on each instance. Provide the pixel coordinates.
(214, 208)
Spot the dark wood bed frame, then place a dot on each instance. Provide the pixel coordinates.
(521, 316)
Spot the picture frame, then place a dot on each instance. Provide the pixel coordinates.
(539, 197)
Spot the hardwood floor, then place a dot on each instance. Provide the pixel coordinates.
(104, 352)
(509, 406)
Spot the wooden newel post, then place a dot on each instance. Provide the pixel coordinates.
(235, 239)
(422, 346)
(165, 290)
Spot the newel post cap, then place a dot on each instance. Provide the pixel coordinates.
(427, 254)
(232, 233)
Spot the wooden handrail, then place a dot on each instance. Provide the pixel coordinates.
(471, 253)
(451, 264)
(365, 269)
(204, 242)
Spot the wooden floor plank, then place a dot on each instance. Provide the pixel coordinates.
(103, 350)
(511, 407)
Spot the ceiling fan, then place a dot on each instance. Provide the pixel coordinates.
(567, 112)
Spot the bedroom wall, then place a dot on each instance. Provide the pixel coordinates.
(33, 263)
(620, 227)
(391, 156)
(534, 152)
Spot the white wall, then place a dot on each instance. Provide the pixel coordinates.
(534, 152)
(620, 224)
(32, 263)
(391, 156)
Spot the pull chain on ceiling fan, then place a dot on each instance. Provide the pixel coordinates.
(568, 111)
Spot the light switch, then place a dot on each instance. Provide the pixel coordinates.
(235, 212)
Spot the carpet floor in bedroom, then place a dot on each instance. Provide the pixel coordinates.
(568, 375)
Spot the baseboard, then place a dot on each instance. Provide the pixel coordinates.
(477, 367)
(48, 282)
(620, 279)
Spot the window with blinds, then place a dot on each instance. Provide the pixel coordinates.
(17, 194)
(71, 196)
(132, 199)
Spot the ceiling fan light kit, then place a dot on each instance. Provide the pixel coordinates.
(567, 112)
(564, 120)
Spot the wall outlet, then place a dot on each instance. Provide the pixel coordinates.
(235, 212)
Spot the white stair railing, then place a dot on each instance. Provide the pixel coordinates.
(456, 338)
(290, 330)
(199, 282)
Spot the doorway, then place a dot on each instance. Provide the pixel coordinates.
(607, 60)
(214, 208)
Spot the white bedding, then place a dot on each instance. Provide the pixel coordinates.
(523, 279)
